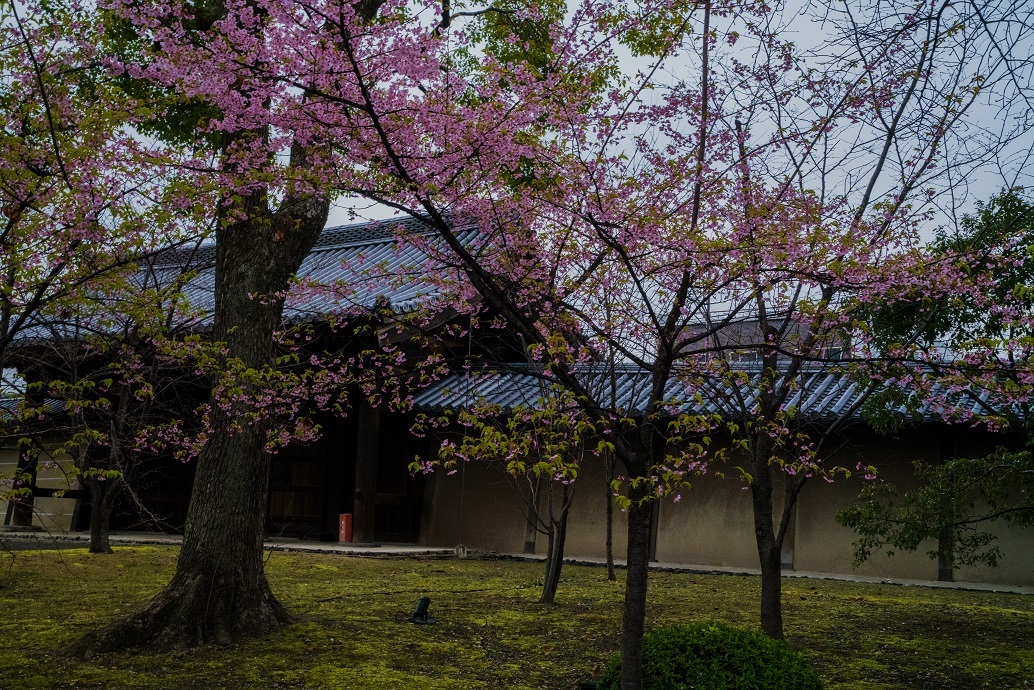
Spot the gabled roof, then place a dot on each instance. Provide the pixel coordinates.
(366, 265)
(351, 268)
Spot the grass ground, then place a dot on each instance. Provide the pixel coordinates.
(490, 631)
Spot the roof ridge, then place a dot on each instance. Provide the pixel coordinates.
(378, 231)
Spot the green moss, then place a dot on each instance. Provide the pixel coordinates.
(491, 632)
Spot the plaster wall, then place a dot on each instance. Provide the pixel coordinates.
(8, 467)
(52, 514)
(587, 525)
(475, 506)
(822, 545)
(492, 516)
(712, 522)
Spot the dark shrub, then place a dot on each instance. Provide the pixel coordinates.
(708, 655)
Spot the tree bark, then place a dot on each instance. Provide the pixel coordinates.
(640, 517)
(769, 548)
(219, 592)
(555, 556)
(102, 502)
(531, 517)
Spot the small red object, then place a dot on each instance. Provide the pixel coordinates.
(344, 528)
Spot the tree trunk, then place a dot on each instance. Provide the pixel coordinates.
(769, 550)
(219, 592)
(633, 624)
(609, 468)
(555, 557)
(771, 591)
(531, 513)
(530, 536)
(102, 502)
(552, 577)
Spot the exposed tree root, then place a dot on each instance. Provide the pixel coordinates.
(189, 612)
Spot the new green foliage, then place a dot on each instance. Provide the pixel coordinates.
(981, 351)
(709, 655)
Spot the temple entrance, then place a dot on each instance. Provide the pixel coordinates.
(368, 476)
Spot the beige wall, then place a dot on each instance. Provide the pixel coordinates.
(824, 546)
(712, 523)
(49, 514)
(489, 511)
(493, 518)
(587, 525)
(8, 466)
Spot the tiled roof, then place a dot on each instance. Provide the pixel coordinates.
(354, 266)
(820, 395)
(366, 264)
(9, 406)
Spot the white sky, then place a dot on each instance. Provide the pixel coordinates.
(979, 182)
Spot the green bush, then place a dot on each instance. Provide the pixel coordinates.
(709, 655)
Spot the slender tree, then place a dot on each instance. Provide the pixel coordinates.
(541, 446)
(738, 225)
(107, 359)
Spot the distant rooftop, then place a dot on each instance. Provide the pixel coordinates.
(351, 268)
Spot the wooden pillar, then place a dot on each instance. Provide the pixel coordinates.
(366, 457)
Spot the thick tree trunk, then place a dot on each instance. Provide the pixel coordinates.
(219, 592)
(769, 551)
(633, 624)
(102, 501)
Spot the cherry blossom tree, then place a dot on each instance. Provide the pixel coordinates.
(753, 211)
(109, 360)
(78, 205)
(736, 178)
(541, 447)
(276, 91)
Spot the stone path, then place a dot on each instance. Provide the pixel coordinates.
(23, 540)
